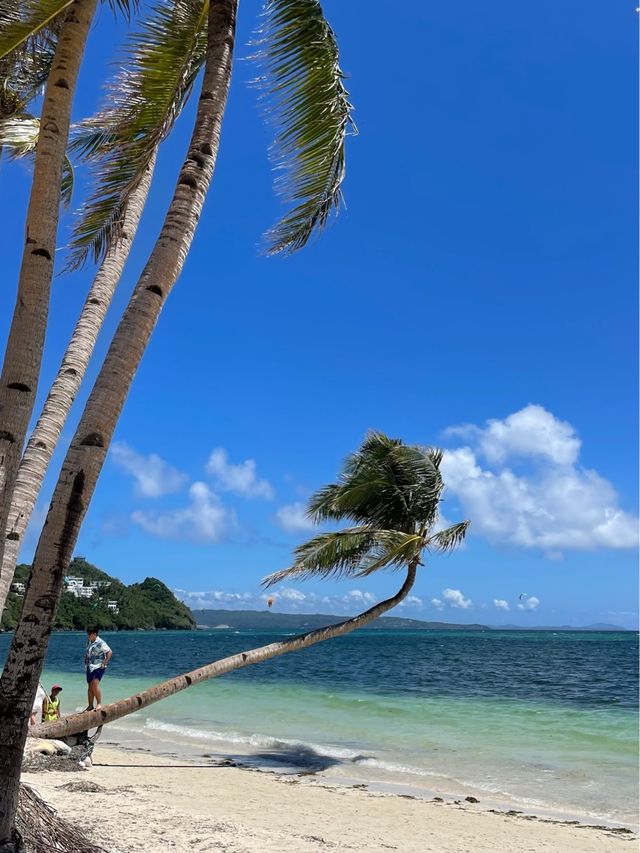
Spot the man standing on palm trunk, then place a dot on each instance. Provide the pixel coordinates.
(96, 659)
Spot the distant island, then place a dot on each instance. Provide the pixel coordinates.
(91, 596)
(268, 620)
(259, 620)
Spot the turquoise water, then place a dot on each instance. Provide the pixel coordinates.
(541, 721)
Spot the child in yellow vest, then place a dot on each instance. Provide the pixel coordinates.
(51, 705)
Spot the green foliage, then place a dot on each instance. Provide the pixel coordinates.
(21, 21)
(159, 67)
(19, 138)
(307, 102)
(148, 605)
(392, 491)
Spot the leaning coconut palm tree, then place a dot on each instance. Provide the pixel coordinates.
(23, 355)
(390, 492)
(161, 61)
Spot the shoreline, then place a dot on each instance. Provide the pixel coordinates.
(288, 766)
(149, 801)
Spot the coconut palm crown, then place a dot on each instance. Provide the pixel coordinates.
(392, 491)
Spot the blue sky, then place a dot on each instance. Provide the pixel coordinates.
(478, 292)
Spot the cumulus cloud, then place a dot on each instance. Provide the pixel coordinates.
(293, 518)
(454, 598)
(554, 506)
(529, 603)
(204, 520)
(437, 603)
(285, 600)
(501, 604)
(241, 479)
(532, 431)
(153, 476)
(412, 601)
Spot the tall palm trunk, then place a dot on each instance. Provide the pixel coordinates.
(88, 449)
(107, 714)
(55, 411)
(21, 368)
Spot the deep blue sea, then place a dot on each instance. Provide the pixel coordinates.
(540, 720)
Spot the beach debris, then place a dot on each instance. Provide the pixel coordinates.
(63, 757)
(40, 827)
(437, 800)
(83, 787)
(471, 800)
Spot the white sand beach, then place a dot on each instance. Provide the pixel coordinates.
(135, 801)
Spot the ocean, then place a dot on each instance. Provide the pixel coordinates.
(540, 721)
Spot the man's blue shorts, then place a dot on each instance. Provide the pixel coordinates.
(96, 674)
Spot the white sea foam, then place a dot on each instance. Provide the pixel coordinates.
(254, 740)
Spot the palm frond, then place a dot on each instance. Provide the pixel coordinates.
(125, 7)
(161, 64)
(392, 490)
(67, 183)
(385, 483)
(334, 554)
(24, 72)
(449, 538)
(353, 552)
(19, 135)
(303, 88)
(392, 549)
(19, 138)
(24, 20)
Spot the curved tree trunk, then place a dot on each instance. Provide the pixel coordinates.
(55, 411)
(23, 355)
(90, 719)
(88, 449)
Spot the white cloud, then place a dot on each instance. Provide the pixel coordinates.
(532, 431)
(285, 600)
(501, 604)
(356, 596)
(454, 598)
(288, 594)
(529, 603)
(554, 507)
(241, 479)
(153, 476)
(204, 520)
(437, 603)
(293, 518)
(412, 601)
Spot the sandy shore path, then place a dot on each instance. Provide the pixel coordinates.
(136, 801)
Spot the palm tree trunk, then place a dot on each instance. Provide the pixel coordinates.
(23, 356)
(90, 719)
(55, 411)
(89, 446)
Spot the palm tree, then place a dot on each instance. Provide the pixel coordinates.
(28, 649)
(23, 355)
(391, 492)
(303, 75)
(164, 56)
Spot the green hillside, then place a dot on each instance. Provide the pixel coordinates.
(148, 605)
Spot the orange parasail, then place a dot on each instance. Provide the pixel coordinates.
(270, 601)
